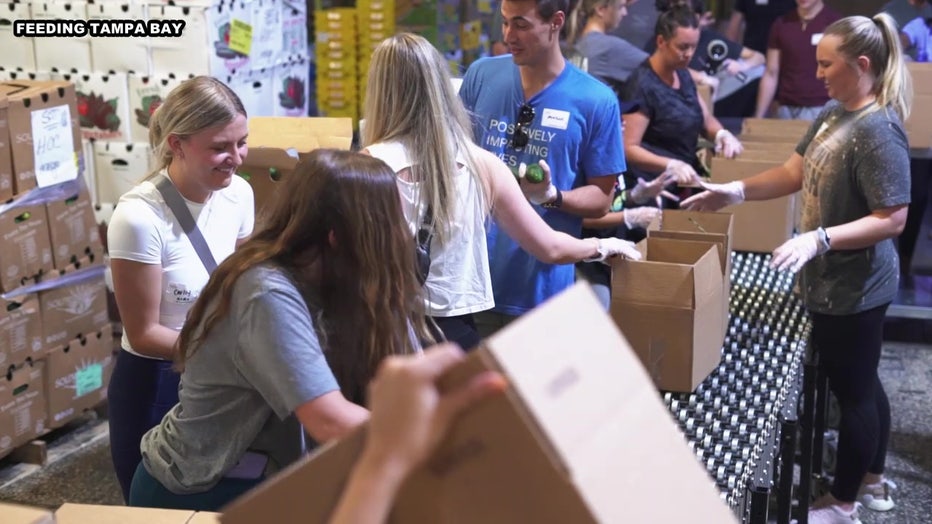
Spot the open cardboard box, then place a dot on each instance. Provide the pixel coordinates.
(761, 225)
(775, 127)
(703, 227)
(580, 436)
(669, 306)
(17, 514)
(276, 144)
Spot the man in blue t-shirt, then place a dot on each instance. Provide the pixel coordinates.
(530, 106)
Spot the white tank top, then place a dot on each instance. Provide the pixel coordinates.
(459, 281)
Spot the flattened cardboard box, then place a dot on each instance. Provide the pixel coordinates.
(22, 405)
(6, 159)
(557, 447)
(77, 375)
(702, 227)
(20, 330)
(16, 514)
(73, 232)
(72, 309)
(276, 144)
(96, 514)
(25, 252)
(761, 225)
(669, 306)
(24, 97)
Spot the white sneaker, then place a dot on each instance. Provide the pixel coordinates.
(834, 515)
(877, 496)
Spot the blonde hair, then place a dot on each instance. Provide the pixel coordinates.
(193, 106)
(579, 16)
(410, 99)
(877, 39)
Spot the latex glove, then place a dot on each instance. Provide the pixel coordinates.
(795, 252)
(645, 192)
(727, 145)
(683, 173)
(709, 80)
(734, 67)
(706, 19)
(410, 415)
(541, 192)
(715, 197)
(611, 247)
(640, 217)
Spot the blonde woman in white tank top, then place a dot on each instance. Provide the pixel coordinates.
(416, 123)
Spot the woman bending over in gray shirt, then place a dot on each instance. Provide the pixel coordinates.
(287, 334)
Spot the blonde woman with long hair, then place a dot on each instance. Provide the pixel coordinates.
(852, 168)
(416, 123)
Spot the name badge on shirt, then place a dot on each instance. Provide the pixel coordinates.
(762, 2)
(815, 38)
(555, 118)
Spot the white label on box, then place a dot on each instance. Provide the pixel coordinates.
(53, 145)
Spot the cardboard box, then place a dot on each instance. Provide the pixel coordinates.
(93, 514)
(20, 330)
(30, 100)
(77, 375)
(761, 225)
(922, 77)
(25, 252)
(277, 143)
(6, 159)
(919, 126)
(777, 127)
(702, 227)
(73, 231)
(557, 447)
(23, 413)
(78, 305)
(669, 306)
(16, 514)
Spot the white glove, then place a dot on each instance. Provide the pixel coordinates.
(727, 145)
(715, 197)
(610, 247)
(795, 252)
(640, 217)
(541, 192)
(683, 173)
(645, 192)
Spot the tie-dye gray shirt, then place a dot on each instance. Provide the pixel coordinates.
(854, 162)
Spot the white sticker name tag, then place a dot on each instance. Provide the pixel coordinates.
(555, 118)
(815, 38)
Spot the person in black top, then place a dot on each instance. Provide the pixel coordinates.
(662, 135)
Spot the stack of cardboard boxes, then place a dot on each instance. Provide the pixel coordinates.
(55, 337)
(761, 226)
(919, 125)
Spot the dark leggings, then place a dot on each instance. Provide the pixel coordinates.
(849, 353)
(141, 392)
(150, 493)
(461, 329)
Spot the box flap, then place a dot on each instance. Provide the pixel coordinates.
(87, 513)
(204, 517)
(665, 277)
(17, 514)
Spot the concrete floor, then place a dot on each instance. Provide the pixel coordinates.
(79, 461)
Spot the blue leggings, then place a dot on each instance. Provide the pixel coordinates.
(147, 492)
(140, 393)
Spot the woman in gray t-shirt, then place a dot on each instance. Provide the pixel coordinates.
(852, 168)
(287, 334)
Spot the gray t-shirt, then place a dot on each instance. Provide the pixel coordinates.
(854, 162)
(240, 389)
(610, 57)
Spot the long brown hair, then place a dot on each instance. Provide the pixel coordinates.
(339, 212)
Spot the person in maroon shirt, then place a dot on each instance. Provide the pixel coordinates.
(790, 77)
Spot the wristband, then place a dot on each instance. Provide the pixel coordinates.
(557, 201)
